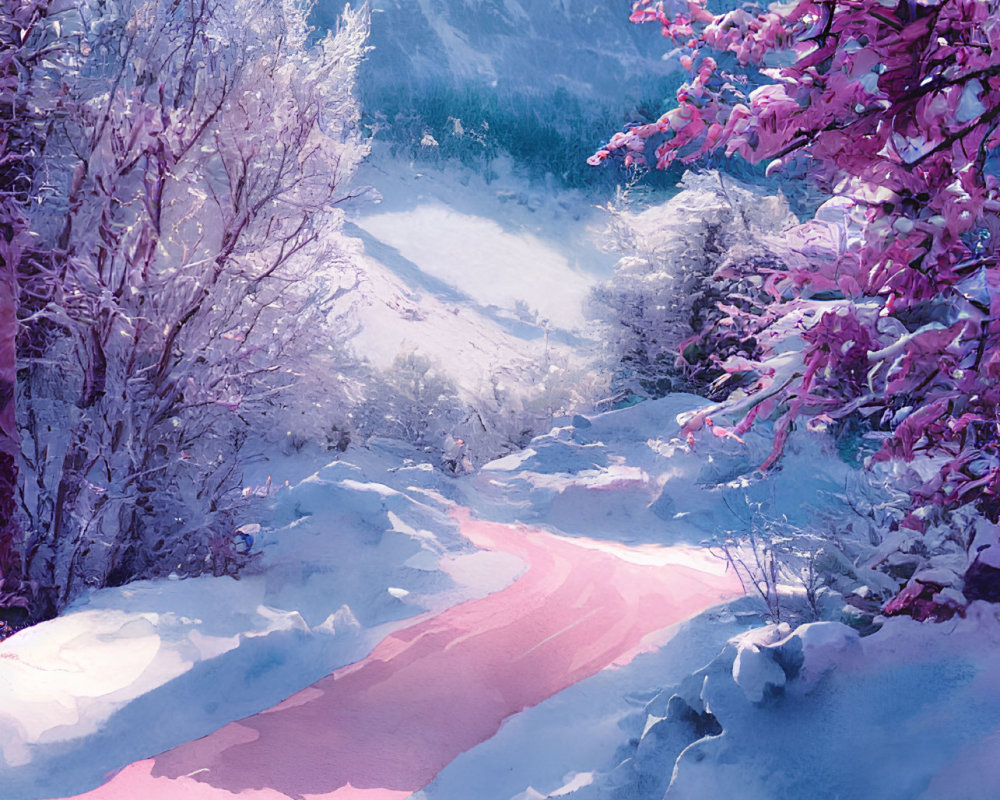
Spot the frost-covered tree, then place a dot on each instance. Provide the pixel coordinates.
(666, 287)
(194, 162)
(29, 59)
(12, 234)
(461, 428)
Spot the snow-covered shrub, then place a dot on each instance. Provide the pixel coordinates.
(523, 400)
(768, 562)
(798, 572)
(667, 287)
(853, 561)
(417, 401)
(199, 156)
(414, 401)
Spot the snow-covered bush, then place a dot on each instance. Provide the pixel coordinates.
(417, 401)
(414, 401)
(523, 400)
(666, 287)
(196, 159)
(839, 565)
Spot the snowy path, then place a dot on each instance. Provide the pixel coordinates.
(382, 728)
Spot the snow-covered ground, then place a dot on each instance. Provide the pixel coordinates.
(349, 554)
(345, 560)
(369, 544)
(386, 725)
(635, 683)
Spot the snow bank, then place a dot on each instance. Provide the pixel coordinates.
(628, 475)
(345, 558)
(912, 711)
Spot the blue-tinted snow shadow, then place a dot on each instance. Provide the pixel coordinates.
(416, 279)
(585, 728)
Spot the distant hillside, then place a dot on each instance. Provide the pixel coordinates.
(544, 80)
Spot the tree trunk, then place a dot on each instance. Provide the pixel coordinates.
(18, 142)
(8, 426)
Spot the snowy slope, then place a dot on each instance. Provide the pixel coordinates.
(345, 558)
(628, 475)
(357, 548)
(348, 554)
(488, 279)
(545, 81)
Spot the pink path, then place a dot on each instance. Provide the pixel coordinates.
(382, 728)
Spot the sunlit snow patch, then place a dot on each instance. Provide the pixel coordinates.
(482, 260)
(652, 554)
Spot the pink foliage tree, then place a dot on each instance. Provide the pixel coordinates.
(892, 108)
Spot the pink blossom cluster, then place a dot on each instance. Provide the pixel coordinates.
(893, 108)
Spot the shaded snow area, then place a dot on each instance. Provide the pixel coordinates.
(909, 712)
(517, 267)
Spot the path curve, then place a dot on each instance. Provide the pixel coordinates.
(383, 728)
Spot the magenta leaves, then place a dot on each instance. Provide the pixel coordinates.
(893, 110)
